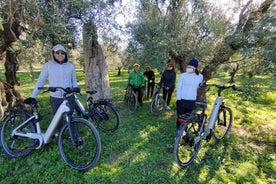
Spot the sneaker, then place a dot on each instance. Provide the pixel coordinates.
(168, 108)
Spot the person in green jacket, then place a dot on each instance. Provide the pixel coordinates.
(137, 80)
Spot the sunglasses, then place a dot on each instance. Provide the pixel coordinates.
(59, 52)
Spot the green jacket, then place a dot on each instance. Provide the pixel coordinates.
(136, 79)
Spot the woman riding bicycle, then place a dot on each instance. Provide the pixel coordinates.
(186, 92)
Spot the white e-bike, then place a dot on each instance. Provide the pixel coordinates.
(78, 140)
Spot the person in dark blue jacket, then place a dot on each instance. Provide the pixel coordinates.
(167, 82)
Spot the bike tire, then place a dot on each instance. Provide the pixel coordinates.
(132, 102)
(185, 146)
(82, 150)
(15, 146)
(157, 106)
(223, 123)
(106, 116)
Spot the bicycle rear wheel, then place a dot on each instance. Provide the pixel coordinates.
(81, 149)
(15, 146)
(223, 123)
(157, 105)
(106, 116)
(186, 147)
(132, 102)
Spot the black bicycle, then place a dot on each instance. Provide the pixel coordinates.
(131, 99)
(103, 112)
(157, 105)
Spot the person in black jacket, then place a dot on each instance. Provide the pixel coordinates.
(167, 82)
(150, 81)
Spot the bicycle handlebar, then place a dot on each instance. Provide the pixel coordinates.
(221, 86)
(66, 90)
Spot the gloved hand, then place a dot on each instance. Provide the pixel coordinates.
(77, 89)
(30, 100)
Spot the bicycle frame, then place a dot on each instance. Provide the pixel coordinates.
(90, 104)
(157, 92)
(80, 108)
(214, 114)
(43, 138)
(129, 91)
(216, 107)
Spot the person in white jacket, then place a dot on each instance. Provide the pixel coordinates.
(186, 92)
(60, 73)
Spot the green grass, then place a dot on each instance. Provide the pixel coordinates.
(139, 151)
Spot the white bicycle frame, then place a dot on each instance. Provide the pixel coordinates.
(213, 116)
(43, 138)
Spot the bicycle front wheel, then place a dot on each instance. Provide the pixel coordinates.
(106, 116)
(223, 123)
(186, 146)
(132, 102)
(16, 146)
(157, 105)
(80, 145)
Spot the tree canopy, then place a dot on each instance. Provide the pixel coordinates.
(161, 30)
(181, 30)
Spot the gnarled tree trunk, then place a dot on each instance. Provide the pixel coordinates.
(96, 72)
(11, 67)
(9, 91)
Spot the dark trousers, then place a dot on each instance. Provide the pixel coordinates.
(167, 95)
(150, 89)
(56, 102)
(183, 107)
(139, 92)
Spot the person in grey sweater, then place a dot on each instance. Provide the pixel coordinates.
(60, 73)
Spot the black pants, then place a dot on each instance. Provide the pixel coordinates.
(139, 92)
(183, 107)
(150, 89)
(56, 102)
(167, 95)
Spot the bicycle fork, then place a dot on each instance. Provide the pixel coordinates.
(73, 132)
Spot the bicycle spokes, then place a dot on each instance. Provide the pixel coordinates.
(186, 145)
(79, 148)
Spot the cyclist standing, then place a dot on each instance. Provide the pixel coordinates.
(186, 92)
(137, 80)
(150, 85)
(167, 82)
(60, 73)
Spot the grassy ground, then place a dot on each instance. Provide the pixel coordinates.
(140, 150)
